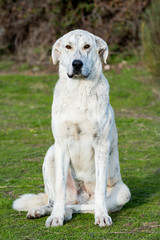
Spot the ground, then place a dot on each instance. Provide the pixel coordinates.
(25, 134)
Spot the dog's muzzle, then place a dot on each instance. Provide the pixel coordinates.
(77, 68)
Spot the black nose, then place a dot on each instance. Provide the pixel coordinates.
(77, 64)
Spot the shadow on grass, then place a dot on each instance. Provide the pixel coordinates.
(142, 189)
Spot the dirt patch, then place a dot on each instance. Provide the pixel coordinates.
(131, 113)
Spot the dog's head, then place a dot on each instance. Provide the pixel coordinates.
(79, 53)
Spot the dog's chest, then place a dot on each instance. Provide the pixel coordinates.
(72, 122)
(72, 116)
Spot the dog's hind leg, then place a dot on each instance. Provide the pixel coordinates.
(48, 175)
(78, 208)
(118, 193)
(117, 196)
(81, 208)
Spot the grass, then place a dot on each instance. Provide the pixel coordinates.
(5, 65)
(25, 135)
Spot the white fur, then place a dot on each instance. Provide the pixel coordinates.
(81, 170)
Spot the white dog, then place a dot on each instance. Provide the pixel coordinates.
(81, 170)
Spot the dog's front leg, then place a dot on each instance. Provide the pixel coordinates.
(61, 171)
(102, 148)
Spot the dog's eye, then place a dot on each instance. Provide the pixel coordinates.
(86, 46)
(68, 47)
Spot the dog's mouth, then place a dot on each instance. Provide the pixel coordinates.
(78, 75)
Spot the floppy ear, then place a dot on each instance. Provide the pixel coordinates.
(56, 51)
(102, 48)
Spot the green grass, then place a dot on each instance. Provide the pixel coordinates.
(5, 65)
(24, 67)
(25, 133)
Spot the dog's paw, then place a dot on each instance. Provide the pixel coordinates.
(54, 221)
(103, 220)
(35, 213)
(68, 214)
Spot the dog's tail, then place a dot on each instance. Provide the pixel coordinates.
(30, 201)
